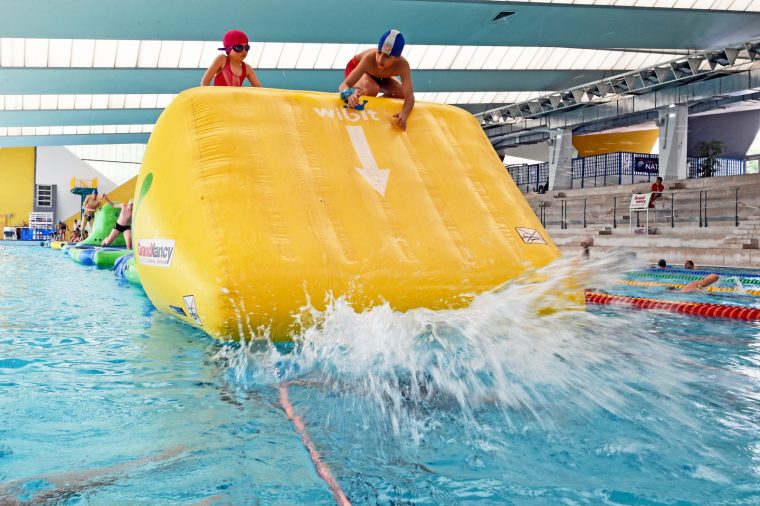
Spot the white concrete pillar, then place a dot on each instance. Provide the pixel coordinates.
(674, 126)
(561, 153)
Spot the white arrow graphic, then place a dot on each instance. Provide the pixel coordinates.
(377, 178)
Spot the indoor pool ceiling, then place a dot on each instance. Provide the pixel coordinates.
(89, 72)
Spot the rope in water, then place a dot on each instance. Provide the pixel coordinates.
(704, 273)
(678, 285)
(668, 275)
(322, 469)
(690, 308)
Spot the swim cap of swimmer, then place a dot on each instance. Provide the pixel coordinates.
(232, 38)
(391, 43)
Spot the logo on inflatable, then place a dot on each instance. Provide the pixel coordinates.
(155, 252)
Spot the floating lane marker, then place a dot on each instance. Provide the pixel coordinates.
(690, 308)
(716, 289)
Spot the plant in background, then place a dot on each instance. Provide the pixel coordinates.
(710, 151)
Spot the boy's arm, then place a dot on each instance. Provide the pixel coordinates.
(105, 196)
(212, 70)
(252, 78)
(406, 85)
(352, 79)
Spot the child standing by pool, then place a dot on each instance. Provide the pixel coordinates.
(373, 71)
(229, 69)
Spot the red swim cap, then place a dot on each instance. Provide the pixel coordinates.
(232, 38)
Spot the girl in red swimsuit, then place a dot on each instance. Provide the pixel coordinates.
(229, 69)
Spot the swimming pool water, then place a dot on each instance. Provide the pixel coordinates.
(103, 400)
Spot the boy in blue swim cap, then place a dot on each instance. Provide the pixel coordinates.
(374, 71)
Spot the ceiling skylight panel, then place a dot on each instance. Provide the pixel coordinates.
(270, 54)
(453, 97)
(82, 53)
(494, 59)
(135, 129)
(625, 3)
(583, 61)
(96, 129)
(624, 62)
(122, 129)
(653, 59)
(479, 57)
(2, 102)
(148, 101)
(345, 53)
(666, 4)
(190, 55)
(31, 102)
(637, 60)
(308, 57)
(164, 100)
(43, 130)
(326, 56)
(65, 102)
(684, 4)
(210, 51)
(12, 52)
(13, 131)
(526, 58)
(13, 102)
(82, 101)
(422, 97)
(59, 53)
(116, 101)
(510, 58)
(432, 55)
(69, 130)
(447, 57)
(722, 4)
(82, 129)
(36, 53)
(56, 130)
(148, 128)
(126, 53)
(132, 101)
(28, 130)
(554, 59)
(168, 56)
(539, 60)
(465, 98)
(609, 60)
(754, 6)
(105, 53)
(645, 3)
(501, 97)
(413, 54)
(702, 4)
(3, 132)
(254, 55)
(583, 2)
(739, 5)
(289, 55)
(109, 129)
(488, 97)
(147, 57)
(463, 58)
(100, 101)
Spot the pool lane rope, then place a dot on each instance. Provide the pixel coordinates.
(678, 285)
(322, 469)
(690, 308)
(745, 279)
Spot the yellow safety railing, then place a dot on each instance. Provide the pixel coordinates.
(83, 183)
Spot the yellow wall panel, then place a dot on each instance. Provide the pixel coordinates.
(16, 186)
(638, 141)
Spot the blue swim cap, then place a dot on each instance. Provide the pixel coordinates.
(391, 43)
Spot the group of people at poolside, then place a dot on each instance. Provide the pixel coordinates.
(90, 206)
(369, 73)
(693, 286)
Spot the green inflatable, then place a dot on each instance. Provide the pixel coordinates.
(102, 224)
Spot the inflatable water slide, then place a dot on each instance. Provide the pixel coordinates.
(254, 203)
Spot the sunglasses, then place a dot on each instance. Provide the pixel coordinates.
(239, 47)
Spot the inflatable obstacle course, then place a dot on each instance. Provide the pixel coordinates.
(252, 203)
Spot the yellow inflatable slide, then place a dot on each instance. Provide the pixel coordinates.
(251, 203)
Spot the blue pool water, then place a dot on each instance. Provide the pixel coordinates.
(103, 400)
